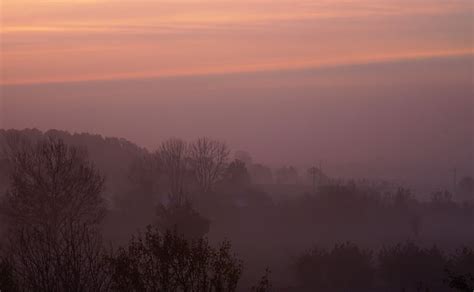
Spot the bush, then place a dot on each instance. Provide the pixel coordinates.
(407, 266)
(460, 270)
(345, 268)
(7, 278)
(169, 262)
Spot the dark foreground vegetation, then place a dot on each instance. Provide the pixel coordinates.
(84, 213)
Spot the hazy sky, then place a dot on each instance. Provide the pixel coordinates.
(383, 85)
(57, 40)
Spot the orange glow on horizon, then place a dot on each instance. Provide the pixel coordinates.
(301, 65)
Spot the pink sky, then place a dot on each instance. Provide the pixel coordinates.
(59, 40)
(383, 85)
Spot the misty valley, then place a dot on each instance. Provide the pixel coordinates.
(82, 212)
(234, 146)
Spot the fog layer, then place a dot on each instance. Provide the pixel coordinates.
(402, 120)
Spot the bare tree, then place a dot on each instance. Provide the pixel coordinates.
(53, 209)
(209, 162)
(173, 159)
(7, 277)
(169, 262)
(72, 259)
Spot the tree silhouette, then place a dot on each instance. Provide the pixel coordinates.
(7, 277)
(236, 174)
(344, 268)
(264, 284)
(209, 162)
(53, 209)
(169, 262)
(460, 270)
(408, 266)
(173, 157)
(183, 218)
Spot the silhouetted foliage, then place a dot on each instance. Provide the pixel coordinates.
(408, 266)
(463, 282)
(236, 175)
(243, 156)
(184, 219)
(209, 162)
(460, 269)
(143, 174)
(441, 198)
(51, 183)
(264, 284)
(73, 259)
(8, 282)
(53, 208)
(344, 268)
(169, 262)
(173, 157)
(53, 202)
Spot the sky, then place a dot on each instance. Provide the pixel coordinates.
(370, 87)
(71, 40)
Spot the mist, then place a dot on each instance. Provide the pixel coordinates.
(228, 146)
(410, 121)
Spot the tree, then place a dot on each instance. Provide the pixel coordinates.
(73, 259)
(173, 159)
(51, 183)
(237, 175)
(7, 277)
(139, 197)
(209, 162)
(344, 268)
(243, 156)
(186, 221)
(460, 270)
(407, 266)
(143, 173)
(169, 262)
(464, 282)
(264, 284)
(441, 198)
(403, 198)
(53, 209)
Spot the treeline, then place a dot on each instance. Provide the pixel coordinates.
(69, 227)
(53, 209)
(400, 267)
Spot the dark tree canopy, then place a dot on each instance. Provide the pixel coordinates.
(346, 267)
(209, 162)
(168, 262)
(52, 183)
(53, 209)
(183, 219)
